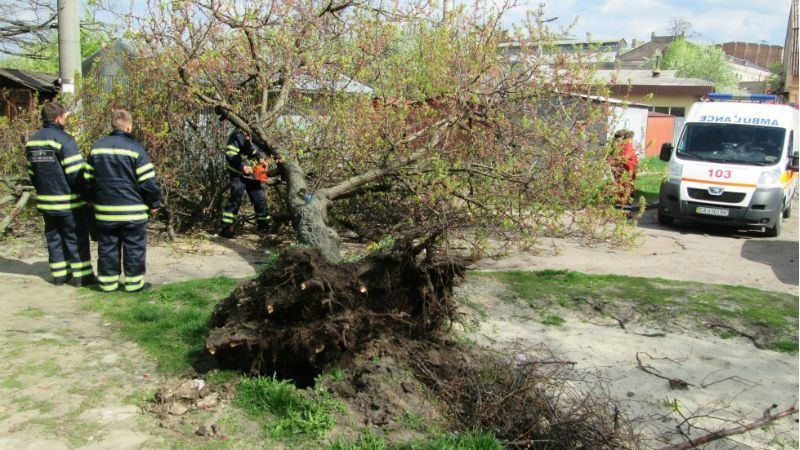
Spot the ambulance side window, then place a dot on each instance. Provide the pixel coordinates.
(790, 150)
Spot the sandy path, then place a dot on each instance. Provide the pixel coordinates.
(69, 381)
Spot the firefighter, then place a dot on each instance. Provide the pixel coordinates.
(56, 170)
(239, 155)
(122, 181)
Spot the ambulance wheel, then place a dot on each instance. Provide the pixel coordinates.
(775, 230)
(788, 211)
(664, 219)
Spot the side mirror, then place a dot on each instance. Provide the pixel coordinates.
(794, 166)
(666, 151)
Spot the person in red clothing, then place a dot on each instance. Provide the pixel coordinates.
(624, 165)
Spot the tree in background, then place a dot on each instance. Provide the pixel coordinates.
(776, 78)
(29, 35)
(700, 61)
(26, 24)
(382, 120)
(679, 26)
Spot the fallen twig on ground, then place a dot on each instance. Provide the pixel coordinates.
(727, 432)
(674, 383)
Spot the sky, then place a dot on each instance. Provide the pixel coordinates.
(715, 21)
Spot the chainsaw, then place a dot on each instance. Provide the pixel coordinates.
(260, 173)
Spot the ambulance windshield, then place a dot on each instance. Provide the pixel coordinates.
(730, 143)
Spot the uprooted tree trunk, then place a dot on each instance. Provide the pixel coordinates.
(305, 313)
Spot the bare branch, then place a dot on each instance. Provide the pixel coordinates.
(727, 432)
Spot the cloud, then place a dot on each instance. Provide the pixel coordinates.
(715, 20)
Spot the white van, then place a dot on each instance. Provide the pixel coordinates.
(735, 164)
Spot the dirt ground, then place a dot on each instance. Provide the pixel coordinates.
(84, 395)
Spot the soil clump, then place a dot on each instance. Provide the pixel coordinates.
(385, 320)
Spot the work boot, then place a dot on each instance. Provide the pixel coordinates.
(144, 287)
(87, 280)
(227, 232)
(264, 226)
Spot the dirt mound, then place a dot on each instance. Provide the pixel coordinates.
(304, 314)
(381, 319)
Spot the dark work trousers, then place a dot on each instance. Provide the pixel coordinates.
(68, 246)
(131, 241)
(256, 193)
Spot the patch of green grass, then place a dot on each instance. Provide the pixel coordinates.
(292, 411)
(552, 319)
(773, 315)
(138, 398)
(170, 321)
(649, 174)
(30, 312)
(46, 369)
(221, 376)
(474, 440)
(464, 339)
(412, 421)
(27, 403)
(367, 441)
(336, 374)
(11, 383)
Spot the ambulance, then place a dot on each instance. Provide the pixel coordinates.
(735, 164)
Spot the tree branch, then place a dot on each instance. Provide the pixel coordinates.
(719, 434)
(348, 185)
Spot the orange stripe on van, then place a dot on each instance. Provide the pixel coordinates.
(723, 183)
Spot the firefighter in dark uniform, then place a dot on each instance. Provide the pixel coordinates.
(122, 181)
(240, 155)
(56, 170)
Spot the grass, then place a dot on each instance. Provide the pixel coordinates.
(773, 315)
(552, 319)
(30, 312)
(291, 411)
(649, 174)
(170, 321)
(467, 441)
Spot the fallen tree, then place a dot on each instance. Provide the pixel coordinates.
(389, 119)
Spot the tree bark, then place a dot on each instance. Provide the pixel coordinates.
(311, 224)
(23, 200)
(309, 210)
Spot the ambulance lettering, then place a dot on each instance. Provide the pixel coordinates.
(741, 120)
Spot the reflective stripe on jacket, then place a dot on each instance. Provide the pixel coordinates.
(122, 180)
(55, 168)
(239, 151)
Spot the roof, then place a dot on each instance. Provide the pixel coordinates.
(343, 84)
(613, 101)
(641, 82)
(40, 82)
(646, 77)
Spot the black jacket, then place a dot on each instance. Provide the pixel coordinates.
(55, 167)
(239, 152)
(121, 180)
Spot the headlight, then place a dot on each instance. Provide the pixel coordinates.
(769, 177)
(674, 169)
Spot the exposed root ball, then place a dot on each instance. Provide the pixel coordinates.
(305, 313)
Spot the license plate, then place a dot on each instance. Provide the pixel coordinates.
(721, 212)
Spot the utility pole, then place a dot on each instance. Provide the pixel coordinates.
(69, 44)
